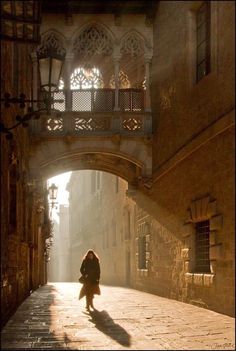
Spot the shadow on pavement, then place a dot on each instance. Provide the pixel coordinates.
(105, 324)
(31, 326)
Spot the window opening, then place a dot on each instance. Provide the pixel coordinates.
(202, 260)
(142, 252)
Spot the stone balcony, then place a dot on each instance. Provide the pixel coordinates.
(96, 112)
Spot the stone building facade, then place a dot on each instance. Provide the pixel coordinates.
(59, 263)
(24, 220)
(194, 151)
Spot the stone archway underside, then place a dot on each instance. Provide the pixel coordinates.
(128, 159)
(93, 161)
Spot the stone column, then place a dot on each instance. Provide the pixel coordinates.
(35, 79)
(147, 74)
(116, 61)
(67, 73)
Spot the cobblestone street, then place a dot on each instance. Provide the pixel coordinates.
(53, 318)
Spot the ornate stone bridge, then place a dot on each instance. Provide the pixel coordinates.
(105, 121)
(117, 142)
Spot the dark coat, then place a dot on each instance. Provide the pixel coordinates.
(91, 269)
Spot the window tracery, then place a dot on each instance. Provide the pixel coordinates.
(132, 45)
(89, 78)
(51, 41)
(93, 40)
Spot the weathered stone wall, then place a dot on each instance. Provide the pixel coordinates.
(193, 158)
(181, 108)
(21, 260)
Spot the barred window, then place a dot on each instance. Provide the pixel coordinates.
(142, 252)
(202, 261)
(203, 49)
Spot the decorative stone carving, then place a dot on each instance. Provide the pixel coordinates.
(131, 124)
(51, 40)
(83, 78)
(93, 40)
(132, 45)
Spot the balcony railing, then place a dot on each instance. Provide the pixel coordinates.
(100, 100)
(92, 112)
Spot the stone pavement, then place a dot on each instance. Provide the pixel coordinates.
(53, 318)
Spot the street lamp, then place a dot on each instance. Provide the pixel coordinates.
(50, 66)
(52, 191)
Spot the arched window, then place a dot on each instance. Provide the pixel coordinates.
(86, 78)
(83, 83)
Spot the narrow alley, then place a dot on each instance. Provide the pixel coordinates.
(52, 317)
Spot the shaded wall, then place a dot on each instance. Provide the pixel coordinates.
(23, 220)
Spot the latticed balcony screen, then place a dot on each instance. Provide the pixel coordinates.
(202, 261)
(62, 105)
(82, 100)
(99, 100)
(60, 95)
(131, 99)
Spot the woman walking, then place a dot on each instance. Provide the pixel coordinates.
(90, 270)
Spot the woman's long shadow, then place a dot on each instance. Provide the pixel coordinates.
(105, 324)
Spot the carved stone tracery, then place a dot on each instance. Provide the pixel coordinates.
(83, 78)
(132, 45)
(51, 41)
(93, 40)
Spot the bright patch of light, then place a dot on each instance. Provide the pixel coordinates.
(61, 182)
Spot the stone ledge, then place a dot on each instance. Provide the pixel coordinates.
(142, 272)
(200, 279)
